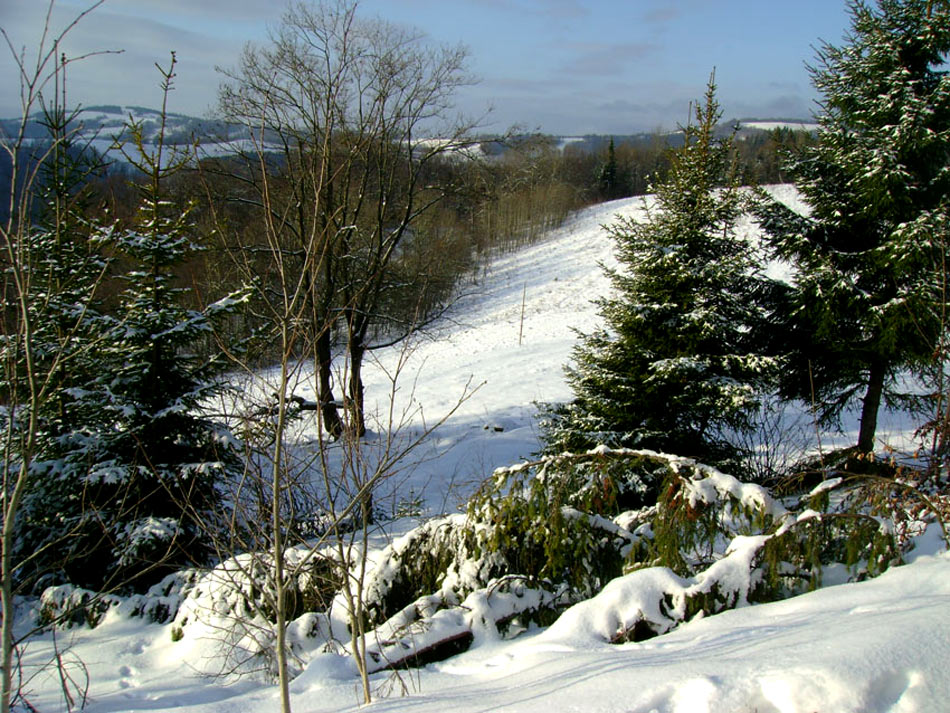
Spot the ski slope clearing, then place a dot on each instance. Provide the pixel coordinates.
(772, 125)
(510, 336)
(878, 646)
(483, 343)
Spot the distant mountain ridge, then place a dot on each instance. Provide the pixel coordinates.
(746, 128)
(105, 126)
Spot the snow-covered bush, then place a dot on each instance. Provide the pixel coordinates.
(542, 536)
(67, 606)
(543, 543)
(545, 523)
(235, 603)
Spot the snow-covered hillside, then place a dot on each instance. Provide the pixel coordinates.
(872, 647)
(104, 127)
(516, 357)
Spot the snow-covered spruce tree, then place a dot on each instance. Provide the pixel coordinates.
(872, 255)
(67, 265)
(676, 366)
(52, 271)
(147, 459)
(55, 277)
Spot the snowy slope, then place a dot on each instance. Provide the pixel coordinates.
(478, 344)
(872, 647)
(558, 280)
(103, 127)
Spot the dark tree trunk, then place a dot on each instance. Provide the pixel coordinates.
(355, 395)
(871, 406)
(356, 422)
(331, 415)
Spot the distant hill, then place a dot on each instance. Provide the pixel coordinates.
(595, 143)
(104, 127)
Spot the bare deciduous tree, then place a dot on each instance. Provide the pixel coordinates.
(341, 106)
(311, 498)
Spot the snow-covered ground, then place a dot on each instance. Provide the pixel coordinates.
(515, 363)
(874, 646)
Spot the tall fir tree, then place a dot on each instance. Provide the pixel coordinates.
(608, 182)
(676, 367)
(63, 263)
(136, 480)
(872, 255)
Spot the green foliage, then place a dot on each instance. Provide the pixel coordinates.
(872, 255)
(545, 523)
(678, 363)
(557, 529)
(126, 475)
(688, 532)
(762, 155)
(609, 179)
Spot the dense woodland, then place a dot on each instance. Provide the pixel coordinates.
(507, 191)
(135, 299)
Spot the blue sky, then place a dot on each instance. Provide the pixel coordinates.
(561, 66)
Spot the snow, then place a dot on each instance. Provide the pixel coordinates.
(566, 141)
(875, 646)
(450, 148)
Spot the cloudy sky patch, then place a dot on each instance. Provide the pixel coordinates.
(563, 66)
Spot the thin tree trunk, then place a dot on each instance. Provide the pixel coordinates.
(357, 418)
(9, 517)
(12, 499)
(277, 528)
(871, 406)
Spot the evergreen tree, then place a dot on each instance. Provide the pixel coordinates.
(872, 255)
(676, 366)
(135, 482)
(70, 246)
(153, 441)
(62, 266)
(608, 181)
